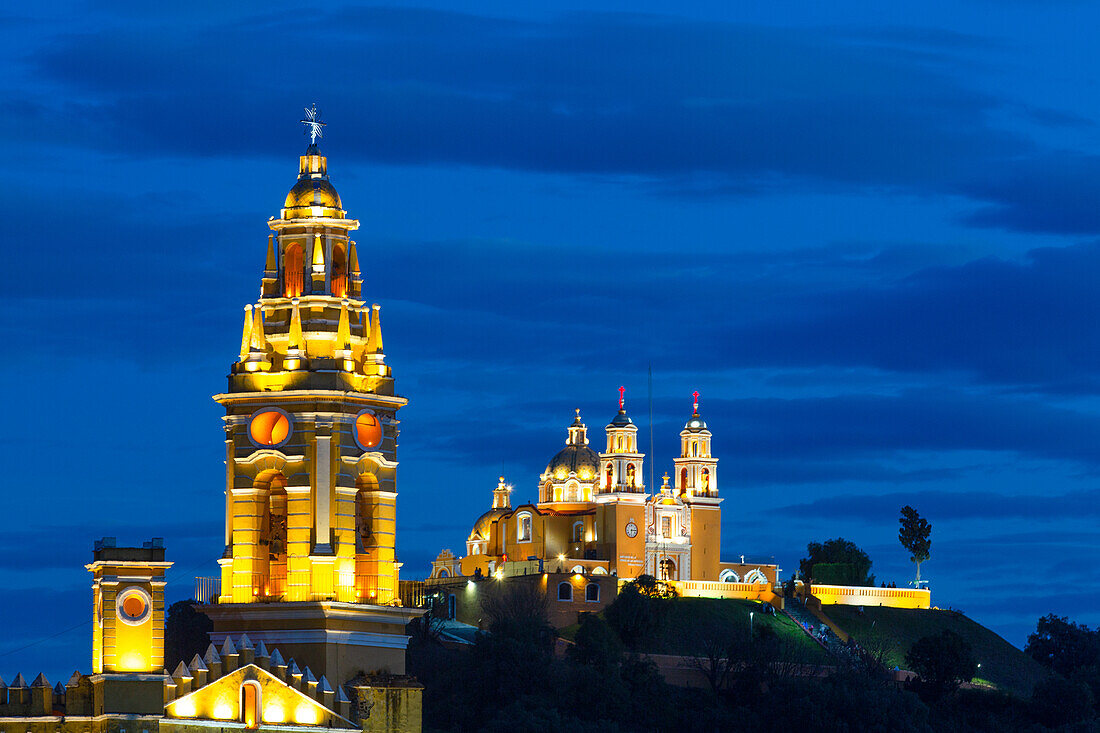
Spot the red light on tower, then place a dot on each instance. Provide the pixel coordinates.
(695, 407)
(621, 391)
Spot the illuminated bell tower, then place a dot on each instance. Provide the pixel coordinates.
(697, 486)
(128, 607)
(311, 426)
(311, 430)
(621, 464)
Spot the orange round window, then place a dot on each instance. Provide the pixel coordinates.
(269, 428)
(133, 605)
(368, 430)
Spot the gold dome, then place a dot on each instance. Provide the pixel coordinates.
(484, 523)
(313, 195)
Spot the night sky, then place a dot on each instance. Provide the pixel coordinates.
(868, 237)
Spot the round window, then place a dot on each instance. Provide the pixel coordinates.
(269, 427)
(133, 605)
(368, 430)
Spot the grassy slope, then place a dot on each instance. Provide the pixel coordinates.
(896, 629)
(679, 616)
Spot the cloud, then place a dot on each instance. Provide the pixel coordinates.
(699, 108)
(957, 505)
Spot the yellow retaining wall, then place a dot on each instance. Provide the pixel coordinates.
(848, 595)
(745, 591)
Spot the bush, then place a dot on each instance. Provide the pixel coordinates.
(942, 661)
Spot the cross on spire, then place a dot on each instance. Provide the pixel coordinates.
(622, 390)
(313, 123)
(695, 408)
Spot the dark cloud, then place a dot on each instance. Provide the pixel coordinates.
(959, 505)
(700, 107)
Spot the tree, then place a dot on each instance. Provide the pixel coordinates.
(1057, 701)
(840, 562)
(186, 633)
(1063, 646)
(915, 536)
(942, 661)
(596, 645)
(632, 615)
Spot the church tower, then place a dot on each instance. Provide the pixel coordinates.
(697, 486)
(310, 424)
(621, 464)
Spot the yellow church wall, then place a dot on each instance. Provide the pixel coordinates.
(706, 541)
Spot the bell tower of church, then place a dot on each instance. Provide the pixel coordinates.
(311, 424)
(697, 486)
(621, 464)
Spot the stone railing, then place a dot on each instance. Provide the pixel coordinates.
(851, 595)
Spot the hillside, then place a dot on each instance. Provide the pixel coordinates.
(681, 619)
(893, 631)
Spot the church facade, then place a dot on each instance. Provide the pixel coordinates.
(595, 515)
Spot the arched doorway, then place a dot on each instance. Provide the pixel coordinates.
(668, 569)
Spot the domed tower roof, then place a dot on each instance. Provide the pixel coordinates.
(484, 524)
(576, 456)
(313, 196)
(695, 424)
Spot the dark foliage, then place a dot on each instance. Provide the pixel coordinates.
(1064, 646)
(839, 560)
(186, 633)
(943, 661)
(915, 536)
(633, 615)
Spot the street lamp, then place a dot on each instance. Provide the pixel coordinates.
(750, 627)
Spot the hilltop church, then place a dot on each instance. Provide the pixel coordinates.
(595, 515)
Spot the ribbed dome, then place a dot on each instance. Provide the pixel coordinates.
(579, 458)
(313, 195)
(484, 523)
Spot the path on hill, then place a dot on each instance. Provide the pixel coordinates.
(822, 634)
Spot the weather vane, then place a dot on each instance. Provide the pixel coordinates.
(313, 123)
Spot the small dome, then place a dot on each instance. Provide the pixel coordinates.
(575, 458)
(621, 420)
(695, 423)
(313, 195)
(484, 523)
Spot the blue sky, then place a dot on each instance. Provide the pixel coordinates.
(867, 235)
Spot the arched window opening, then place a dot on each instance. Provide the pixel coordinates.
(755, 576)
(565, 591)
(668, 569)
(292, 270)
(339, 272)
(578, 531)
(630, 479)
(443, 573)
(523, 528)
(683, 480)
(706, 479)
(592, 593)
(695, 448)
(728, 576)
(270, 572)
(365, 508)
(619, 443)
(609, 474)
(250, 705)
(666, 527)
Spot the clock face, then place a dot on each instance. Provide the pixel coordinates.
(368, 430)
(631, 529)
(269, 427)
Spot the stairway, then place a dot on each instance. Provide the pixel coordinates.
(828, 640)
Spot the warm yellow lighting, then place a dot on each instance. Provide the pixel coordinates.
(251, 366)
(274, 713)
(184, 708)
(223, 711)
(291, 364)
(132, 662)
(305, 714)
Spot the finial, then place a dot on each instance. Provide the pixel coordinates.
(695, 408)
(622, 390)
(313, 123)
